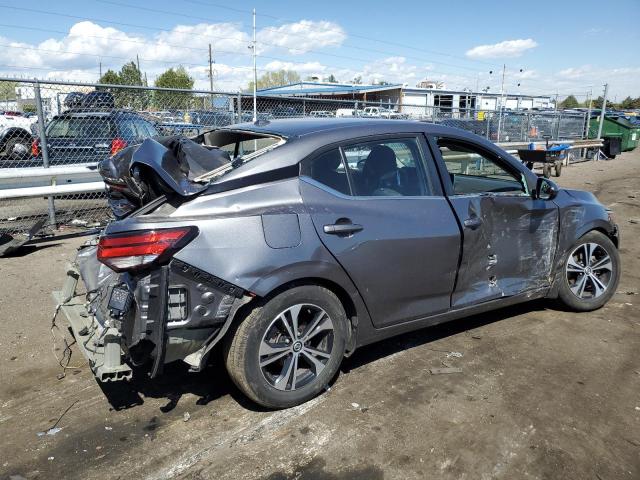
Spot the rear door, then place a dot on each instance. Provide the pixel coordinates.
(377, 206)
(509, 238)
(79, 138)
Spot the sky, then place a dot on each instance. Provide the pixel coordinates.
(547, 47)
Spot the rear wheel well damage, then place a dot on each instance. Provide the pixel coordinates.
(344, 297)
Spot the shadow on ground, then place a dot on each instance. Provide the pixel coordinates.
(214, 382)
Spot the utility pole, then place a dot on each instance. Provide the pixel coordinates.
(504, 68)
(604, 108)
(138, 61)
(210, 69)
(589, 105)
(255, 72)
(100, 67)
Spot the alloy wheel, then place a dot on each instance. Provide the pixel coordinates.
(296, 346)
(589, 271)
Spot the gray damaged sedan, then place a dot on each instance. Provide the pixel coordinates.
(289, 244)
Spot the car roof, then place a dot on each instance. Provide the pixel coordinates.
(304, 136)
(83, 112)
(301, 127)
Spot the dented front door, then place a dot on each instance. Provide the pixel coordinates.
(509, 243)
(508, 238)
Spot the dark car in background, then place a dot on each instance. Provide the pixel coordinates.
(306, 239)
(89, 135)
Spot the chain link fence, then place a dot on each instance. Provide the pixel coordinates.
(57, 125)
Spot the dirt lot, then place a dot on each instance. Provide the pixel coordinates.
(542, 394)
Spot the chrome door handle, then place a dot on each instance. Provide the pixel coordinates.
(342, 228)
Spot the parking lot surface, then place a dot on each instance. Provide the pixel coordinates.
(542, 393)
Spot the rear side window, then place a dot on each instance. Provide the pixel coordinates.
(389, 167)
(328, 169)
(79, 127)
(135, 128)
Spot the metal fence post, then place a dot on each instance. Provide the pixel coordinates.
(239, 107)
(45, 151)
(559, 120)
(488, 118)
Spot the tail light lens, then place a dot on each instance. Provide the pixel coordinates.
(117, 144)
(140, 249)
(35, 147)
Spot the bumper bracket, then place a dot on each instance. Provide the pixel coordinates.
(99, 345)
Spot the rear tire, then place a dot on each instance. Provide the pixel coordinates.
(558, 168)
(590, 273)
(546, 170)
(278, 365)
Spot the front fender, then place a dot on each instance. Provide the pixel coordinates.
(580, 213)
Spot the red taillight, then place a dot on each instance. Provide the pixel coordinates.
(117, 144)
(136, 250)
(35, 147)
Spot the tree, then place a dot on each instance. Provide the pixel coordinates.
(331, 79)
(8, 90)
(275, 79)
(357, 80)
(110, 78)
(597, 102)
(570, 102)
(124, 97)
(173, 78)
(627, 103)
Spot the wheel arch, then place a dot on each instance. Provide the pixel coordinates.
(324, 274)
(15, 132)
(596, 226)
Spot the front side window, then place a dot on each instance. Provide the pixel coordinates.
(389, 167)
(472, 170)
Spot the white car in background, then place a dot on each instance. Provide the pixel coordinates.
(346, 112)
(380, 112)
(15, 135)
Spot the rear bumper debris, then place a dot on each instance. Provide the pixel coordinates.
(99, 345)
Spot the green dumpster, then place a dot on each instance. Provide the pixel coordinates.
(617, 126)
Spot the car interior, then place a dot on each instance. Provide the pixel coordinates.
(376, 171)
(473, 171)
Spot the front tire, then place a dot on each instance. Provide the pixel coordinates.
(591, 272)
(286, 350)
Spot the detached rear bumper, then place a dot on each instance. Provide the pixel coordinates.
(100, 345)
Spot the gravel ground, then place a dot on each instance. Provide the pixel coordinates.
(543, 393)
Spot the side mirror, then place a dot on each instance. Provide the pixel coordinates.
(546, 189)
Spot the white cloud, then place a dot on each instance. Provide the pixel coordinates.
(508, 48)
(77, 55)
(302, 36)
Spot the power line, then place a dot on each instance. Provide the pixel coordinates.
(293, 34)
(93, 19)
(269, 57)
(412, 47)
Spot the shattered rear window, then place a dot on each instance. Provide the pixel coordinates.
(241, 145)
